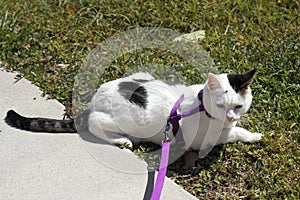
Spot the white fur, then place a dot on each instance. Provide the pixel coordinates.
(116, 120)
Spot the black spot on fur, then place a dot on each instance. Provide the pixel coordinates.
(240, 82)
(134, 92)
(139, 97)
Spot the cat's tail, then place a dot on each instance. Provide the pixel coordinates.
(38, 124)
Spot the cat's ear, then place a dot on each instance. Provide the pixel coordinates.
(240, 82)
(248, 78)
(212, 82)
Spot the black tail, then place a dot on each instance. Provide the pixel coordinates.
(40, 124)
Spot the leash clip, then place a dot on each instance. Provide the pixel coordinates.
(166, 132)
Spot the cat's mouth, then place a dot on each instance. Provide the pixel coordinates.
(232, 119)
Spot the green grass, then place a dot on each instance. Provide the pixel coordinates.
(240, 35)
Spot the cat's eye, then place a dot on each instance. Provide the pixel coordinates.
(220, 105)
(238, 107)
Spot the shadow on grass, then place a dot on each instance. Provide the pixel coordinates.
(179, 167)
(150, 153)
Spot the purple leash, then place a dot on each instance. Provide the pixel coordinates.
(162, 171)
(174, 120)
(165, 152)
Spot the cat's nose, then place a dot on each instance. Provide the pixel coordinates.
(229, 118)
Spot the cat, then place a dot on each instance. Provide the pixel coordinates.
(136, 108)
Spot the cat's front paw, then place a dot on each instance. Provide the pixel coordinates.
(126, 145)
(255, 137)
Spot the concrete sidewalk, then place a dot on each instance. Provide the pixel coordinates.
(63, 166)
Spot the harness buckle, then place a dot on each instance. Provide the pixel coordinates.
(166, 132)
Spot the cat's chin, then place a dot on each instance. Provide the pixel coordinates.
(232, 120)
(225, 119)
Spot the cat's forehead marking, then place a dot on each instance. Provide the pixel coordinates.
(235, 82)
(240, 82)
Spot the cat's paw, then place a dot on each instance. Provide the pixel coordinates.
(126, 145)
(255, 137)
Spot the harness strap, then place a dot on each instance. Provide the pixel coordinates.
(174, 117)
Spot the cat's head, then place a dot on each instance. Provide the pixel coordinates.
(228, 96)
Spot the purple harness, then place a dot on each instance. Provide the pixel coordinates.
(174, 117)
(174, 120)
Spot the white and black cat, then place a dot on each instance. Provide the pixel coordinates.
(136, 108)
